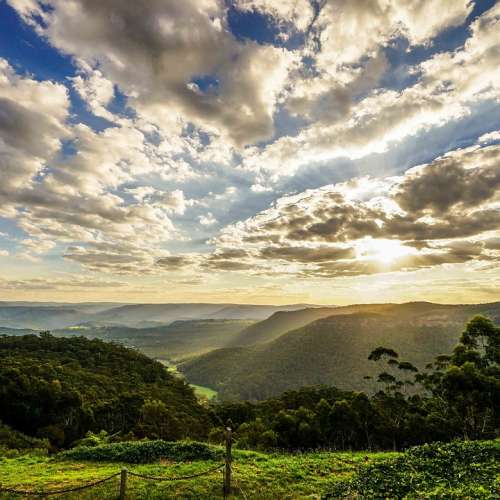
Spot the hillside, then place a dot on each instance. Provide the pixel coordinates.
(334, 350)
(284, 321)
(43, 318)
(49, 316)
(178, 340)
(279, 323)
(133, 315)
(60, 388)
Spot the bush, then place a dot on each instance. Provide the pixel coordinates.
(92, 439)
(137, 452)
(11, 439)
(461, 469)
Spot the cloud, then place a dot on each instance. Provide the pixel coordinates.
(492, 243)
(296, 13)
(422, 21)
(438, 213)
(75, 197)
(57, 284)
(95, 90)
(207, 220)
(32, 126)
(158, 51)
(490, 137)
(175, 262)
(116, 257)
(448, 85)
(374, 22)
(172, 201)
(32, 249)
(468, 178)
(213, 127)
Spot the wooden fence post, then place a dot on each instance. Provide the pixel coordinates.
(229, 458)
(123, 484)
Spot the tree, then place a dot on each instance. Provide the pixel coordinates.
(381, 352)
(157, 421)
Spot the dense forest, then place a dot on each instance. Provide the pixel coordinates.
(457, 396)
(62, 389)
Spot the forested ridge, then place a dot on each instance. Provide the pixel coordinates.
(331, 349)
(61, 388)
(455, 397)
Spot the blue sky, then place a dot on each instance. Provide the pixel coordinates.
(249, 150)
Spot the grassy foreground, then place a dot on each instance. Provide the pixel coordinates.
(259, 475)
(458, 470)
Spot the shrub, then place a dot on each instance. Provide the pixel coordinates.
(11, 439)
(460, 469)
(92, 439)
(137, 452)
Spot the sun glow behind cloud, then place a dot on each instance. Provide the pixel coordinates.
(382, 250)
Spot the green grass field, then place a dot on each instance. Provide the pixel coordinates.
(259, 475)
(455, 471)
(200, 391)
(206, 392)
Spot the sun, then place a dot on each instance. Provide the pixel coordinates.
(382, 250)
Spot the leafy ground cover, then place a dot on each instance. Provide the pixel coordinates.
(457, 470)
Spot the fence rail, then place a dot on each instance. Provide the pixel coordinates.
(124, 473)
(58, 492)
(176, 478)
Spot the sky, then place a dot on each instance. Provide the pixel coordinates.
(250, 151)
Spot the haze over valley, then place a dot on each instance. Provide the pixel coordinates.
(256, 352)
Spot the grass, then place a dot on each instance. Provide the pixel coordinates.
(201, 391)
(453, 471)
(259, 475)
(204, 392)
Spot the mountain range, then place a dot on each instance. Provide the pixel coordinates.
(330, 347)
(256, 352)
(51, 315)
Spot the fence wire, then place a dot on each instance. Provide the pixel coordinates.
(100, 481)
(175, 478)
(237, 483)
(57, 492)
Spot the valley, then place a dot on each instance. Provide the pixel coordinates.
(81, 403)
(261, 351)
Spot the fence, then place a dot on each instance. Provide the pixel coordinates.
(125, 473)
